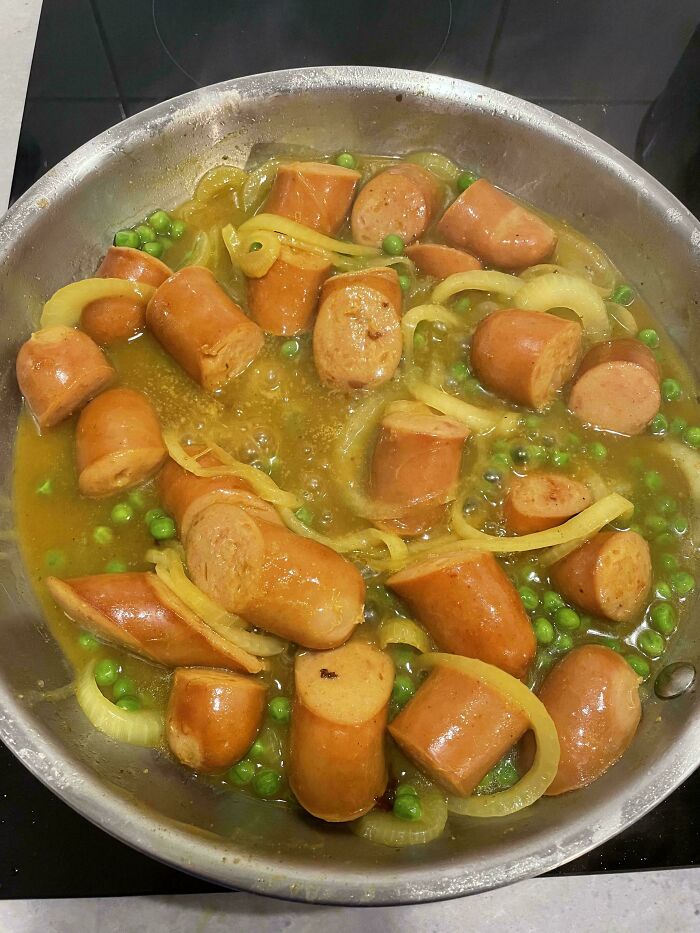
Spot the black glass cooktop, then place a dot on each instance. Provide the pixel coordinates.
(628, 71)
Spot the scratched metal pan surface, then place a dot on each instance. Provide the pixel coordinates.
(57, 232)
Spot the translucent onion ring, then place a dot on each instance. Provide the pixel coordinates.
(290, 228)
(498, 283)
(403, 632)
(362, 540)
(66, 305)
(416, 316)
(386, 829)
(556, 290)
(479, 420)
(142, 727)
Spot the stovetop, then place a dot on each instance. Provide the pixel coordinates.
(628, 70)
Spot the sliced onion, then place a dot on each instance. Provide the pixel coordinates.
(142, 727)
(388, 830)
(437, 164)
(258, 183)
(581, 257)
(218, 179)
(533, 272)
(417, 315)
(556, 290)
(302, 234)
(623, 316)
(499, 283)
(687, 461)
(257, 263)
(66, 305)
(403, 632)
(479, 420)
(366, 539)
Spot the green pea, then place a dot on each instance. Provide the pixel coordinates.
(622, 295)
(153, 514)
(106, 672)
(506, 774)
(177, 229)
(123, 687)
(568, 619)
(563, 642)
(87, 641)
(241, 773)
(403, 689)
(529, 597)
(402, 656)
(254, 247)
(682, 583)
(639, 665)
(405, 282)
(662, 590)
(393, 245)
(115, 566)
(304, 514)
(267, 782)
(130, 703)
(419, 341)
(519, 455)
(462, 304)
(102, 534)
(655, 523)
(636, 464)
(345, 160)
(559, 458)
(256, 750)
(153, 249)
(460, 372)
(280, 709)
(651, 644)
(405, 790)
(165, 242)
(597, 451)
(533, 423)
(162, 529)
(544, 631)
(649, 338)
(136, 499)
(407, 807)
(691, 436)
(658, 424)
(45, 488)
(677, 425)
(55, 559)
(573, 441)
(160, 221)
(145, 234)
(501, 460)
(122, 513)
(613, 644)
(665, 539)
(653, 481)
(663, 618)
(128, 238)
(552, 601)
(536, 452)
(466, 179)
(290, 348)
(666, 505)
(671, 390)
(680, 524)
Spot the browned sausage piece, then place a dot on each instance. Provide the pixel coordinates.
(58, 371)
(401, 200)
(456, 728)
(542, 500)
(609, 575)
(123, 262)
(487, 222)
(118, 443)
(470, 607)
(283, 583)
(525, 356)
(213, 717)
(108, 320)
(315, 194)
(139, 613)
(441, 261)
(593, 697)
(202, 328)
(283, 301)
(336, 755)
(617, 387)
(415, 466)
(357, 337)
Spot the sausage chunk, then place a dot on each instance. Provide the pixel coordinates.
(617, 387)
(202, 328)
(593, 697)
(402, 200)
(139, 613)
(470, 607)
(542, 500)
(58, 371)
(415, 466)
(456, 728)
(525, 356)
(487, 222)
(118, 443)
(609, 575)
(357, 336)
(336, 753)
(283, 583)
(315, 194)
(441, 261)
(123, 262)
(108, 320)
(283, 301)
(213, 717)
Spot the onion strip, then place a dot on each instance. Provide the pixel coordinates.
(687, 461)
(386, 829)
(556, 290)
(403, 632)
(135, 727)
(437, 164)
(533, 272)
(416, 316)
(479, 420)
(66, 305)
(302, 234)
(499, 283)
(218, 179)
(363, 540)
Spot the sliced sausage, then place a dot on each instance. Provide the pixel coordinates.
(357, 337)
(456, 728)
(415, 466)
(525, 356)
(441, 261)
(609, 575)
(617, 387)
(139, 613)
(337, 763)
(470, 607)
(123, 262)
(487, 222)
(213, 717)
(401, 200)
(315, 194)
(108, 320)
(277, 580)
(202, 328)
(593, 697)
(58, 371)
(118, 443)
(542, 500)
(284, 301)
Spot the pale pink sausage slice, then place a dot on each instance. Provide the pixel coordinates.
(123, 262)
(315, 194)
(277, 580)
(118, 443)
(441, 261)
(284, 300)
(203, 329)
(617, 387)
(337, 760)
(608, 576)
(456, 728)
(213, 717)
(107, 320)
(415, 466)
(470, 607)
(542, 500)
(357, 336)
(525, 356)
(487, 222)
(59, 370)
(401, 200)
